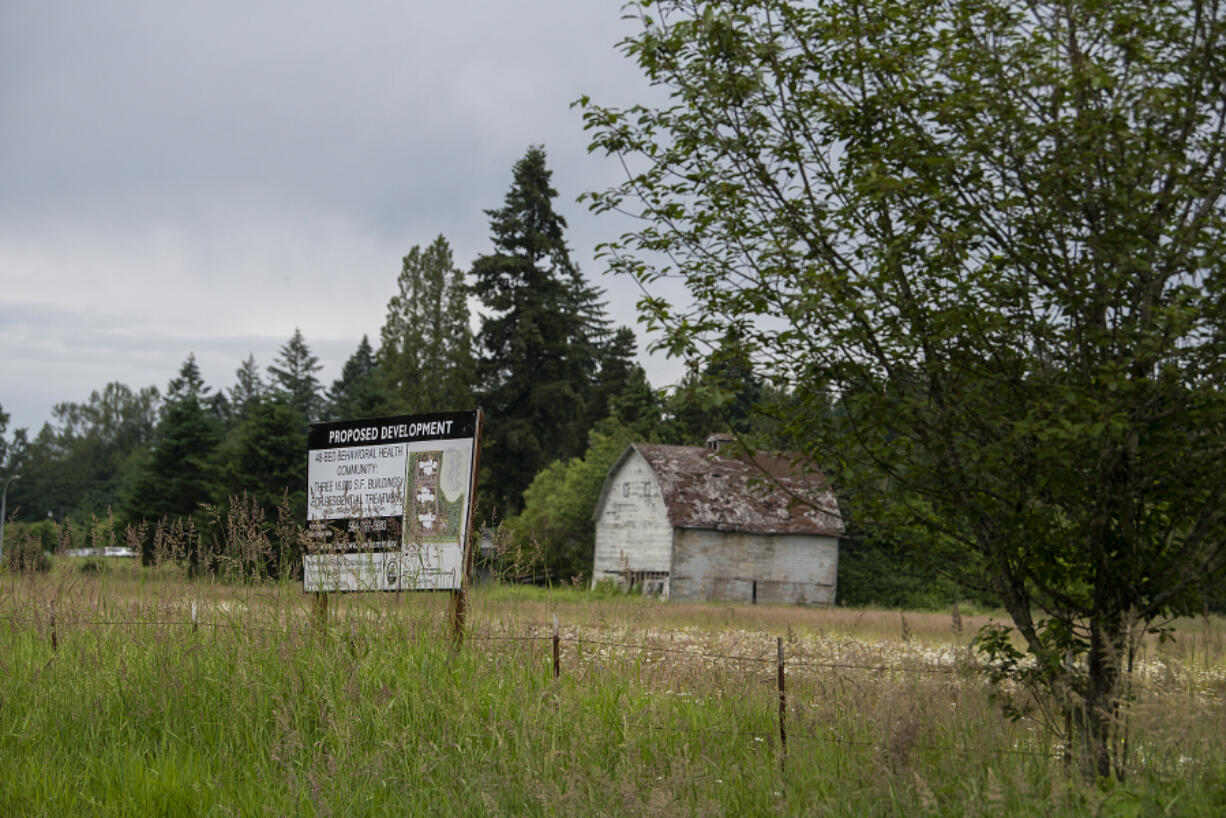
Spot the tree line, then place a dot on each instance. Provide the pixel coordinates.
(562, 393)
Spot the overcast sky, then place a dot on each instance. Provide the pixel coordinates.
(204, 177)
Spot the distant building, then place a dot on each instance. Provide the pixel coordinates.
(688, 522)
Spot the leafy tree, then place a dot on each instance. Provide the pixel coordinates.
(425, 352)
(293, 376)
(539, 341)
(558, 505)
(356, 393)
(80, 461)
(991, 234)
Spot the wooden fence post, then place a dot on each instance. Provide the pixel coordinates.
(783, 707)
(55, 641)
(195, 623)
(557, 663)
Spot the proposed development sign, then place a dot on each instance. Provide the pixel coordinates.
(390, 502)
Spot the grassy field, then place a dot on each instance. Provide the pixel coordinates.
(660, 709)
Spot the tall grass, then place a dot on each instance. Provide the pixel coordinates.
(660, 709)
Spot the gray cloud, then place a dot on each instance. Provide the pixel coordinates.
(206, 177)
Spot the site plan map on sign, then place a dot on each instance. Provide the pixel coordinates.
(389, 502)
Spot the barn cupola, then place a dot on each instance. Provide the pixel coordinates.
(719, 440)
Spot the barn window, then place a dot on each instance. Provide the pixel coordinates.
(625, 489)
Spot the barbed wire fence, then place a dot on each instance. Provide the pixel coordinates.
(53, 626)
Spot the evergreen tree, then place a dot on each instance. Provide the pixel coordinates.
(188, 382)
(636, 406)
(457, 389)
(248, 389)
(690, 412)
(615, 362)
(425, 353)
(293, 375)
(723, 396)
(264, 463)
(267, 456)
(538, 344)
(356, 393)
(219, 406)
(179, 474)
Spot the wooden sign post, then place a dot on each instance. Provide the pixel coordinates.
(459, 596)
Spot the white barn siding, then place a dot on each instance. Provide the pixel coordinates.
(744, 567)
(632, 530)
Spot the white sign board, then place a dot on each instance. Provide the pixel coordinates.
(390, 502)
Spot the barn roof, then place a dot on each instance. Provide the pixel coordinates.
(758, 493)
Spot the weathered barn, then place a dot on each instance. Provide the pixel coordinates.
(688, 522)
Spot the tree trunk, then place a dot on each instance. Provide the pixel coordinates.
(1101, 700)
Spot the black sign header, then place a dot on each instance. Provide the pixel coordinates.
(397, 429)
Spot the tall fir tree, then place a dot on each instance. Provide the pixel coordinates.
(615, 370)
(293, 375)
(539, 342)
(636, 406)
(189, 382)
(179, 474)
(265, 458)
(425, 352)
(248, 389)
(356, 393)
